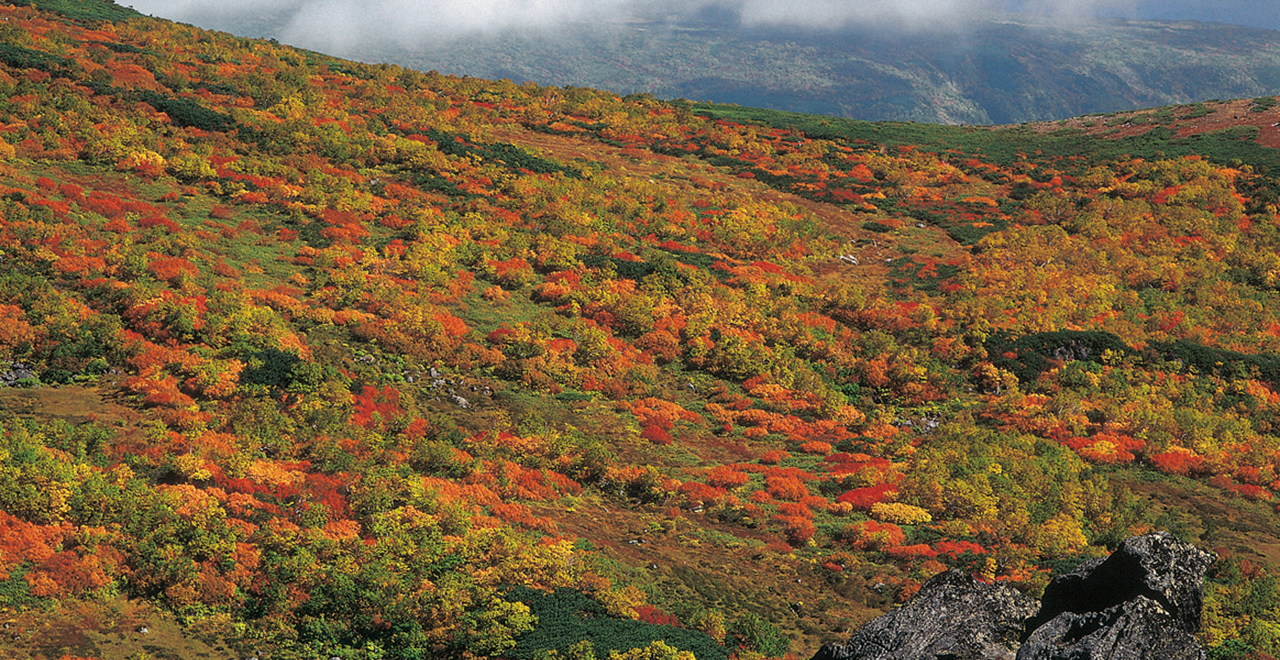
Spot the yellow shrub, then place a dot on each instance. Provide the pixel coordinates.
(899, 513)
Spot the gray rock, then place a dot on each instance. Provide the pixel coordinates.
(953, 616)
(1139, 629)
(1156, 565)
(1141, 603)
(17, 373)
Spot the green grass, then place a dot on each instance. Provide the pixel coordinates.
(1008, 145)
(485, 317)
(84, 10)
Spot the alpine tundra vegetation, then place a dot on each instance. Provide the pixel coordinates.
(306, 358)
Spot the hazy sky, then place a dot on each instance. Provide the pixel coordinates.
(338, 24)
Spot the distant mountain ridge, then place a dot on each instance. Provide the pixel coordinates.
(999, 71)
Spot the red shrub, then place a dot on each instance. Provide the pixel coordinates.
(1178, 460)
(394, 222)
(698, 493)
(375, 407)
(727, 477)
(1251, 475)
(170, 268)
(70, 191)
(158, 221)
(911, 552)
(863, 498)
(955, 548)
(774, 457)
(1251, 492)
(797, 530)
(650, 614)
(656, 434)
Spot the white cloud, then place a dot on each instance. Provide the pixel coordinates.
(337, 25)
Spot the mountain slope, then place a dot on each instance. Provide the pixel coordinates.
(310, 358)
(1000, 71)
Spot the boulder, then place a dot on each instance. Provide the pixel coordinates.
(1143, 602)
(953, 616)
(1139, 629)
(1157, 566)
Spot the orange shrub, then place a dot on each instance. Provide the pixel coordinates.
(698, 493)
(839, 508)
(774, 457)
(1253, 475)
(873, 535)
(169, 269)
(816, 448)
(815, 502)
(1178, 460)
(512, 273)
(761, 497)
(786, 488)
(794, 509)
(798, 530)
(727, 477)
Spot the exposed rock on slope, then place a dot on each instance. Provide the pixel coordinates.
(1143, 601)
(952, 616)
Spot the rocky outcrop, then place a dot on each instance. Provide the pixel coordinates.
(1135, 630)
(952, 616)
(1142, 602)
(17, 374)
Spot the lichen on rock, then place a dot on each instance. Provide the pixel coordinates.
(1142, 602)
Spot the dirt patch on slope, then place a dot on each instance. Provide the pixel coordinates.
(1221, 116)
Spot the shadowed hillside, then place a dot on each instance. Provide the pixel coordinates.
(1001, 71)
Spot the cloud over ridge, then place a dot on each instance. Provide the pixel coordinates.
(340, 25)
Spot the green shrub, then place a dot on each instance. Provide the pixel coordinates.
(753, 632)
(186, 112)
(566, 618)
(1030, 355)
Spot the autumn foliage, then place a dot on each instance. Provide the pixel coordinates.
(357, 350)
